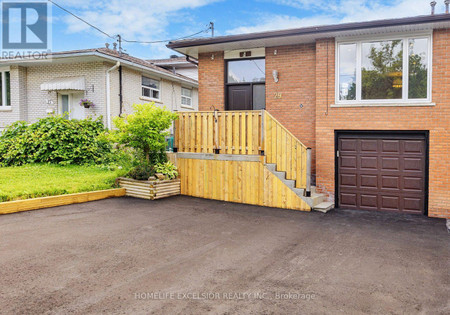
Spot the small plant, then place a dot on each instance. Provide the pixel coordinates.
(142, 172)
(86, 103)
(167, 169)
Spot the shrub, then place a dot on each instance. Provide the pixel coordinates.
(142, 172)
(55, 140)
(144, 130)
(167, 169)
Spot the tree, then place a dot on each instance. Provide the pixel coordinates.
(144, 130)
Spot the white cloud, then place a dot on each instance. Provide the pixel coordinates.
(133, 19)
(279, 22)
(336, 11)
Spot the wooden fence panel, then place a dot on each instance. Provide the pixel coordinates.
(231, 132)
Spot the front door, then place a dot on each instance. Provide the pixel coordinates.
(240, 97)
(245, 85)
(70, 106)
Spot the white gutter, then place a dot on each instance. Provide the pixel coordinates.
(108, 95)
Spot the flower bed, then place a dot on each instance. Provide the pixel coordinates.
(150, 189)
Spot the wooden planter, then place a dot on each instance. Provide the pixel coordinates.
(150, 189)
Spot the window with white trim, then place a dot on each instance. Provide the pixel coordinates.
(186, 97)
(5, 88)
(150, 88)
(385, 71)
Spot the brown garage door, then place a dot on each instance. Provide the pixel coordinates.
(382, 172)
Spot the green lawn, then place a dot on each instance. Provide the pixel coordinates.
(38, 180)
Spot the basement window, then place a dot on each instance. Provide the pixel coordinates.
(150, 88)
(390, 70)
(5, 89)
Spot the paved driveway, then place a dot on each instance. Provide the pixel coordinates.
(188, 255)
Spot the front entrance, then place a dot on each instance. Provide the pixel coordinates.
(245, 85)
(382, 171)
(69, 105)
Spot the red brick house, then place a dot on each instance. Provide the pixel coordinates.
(372, 100)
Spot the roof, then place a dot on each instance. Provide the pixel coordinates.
(192, 47)
(168, 60)
(111, 55)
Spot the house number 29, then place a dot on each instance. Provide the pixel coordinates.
(277, 95)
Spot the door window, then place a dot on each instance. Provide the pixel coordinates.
(65, 105)
(247, 71)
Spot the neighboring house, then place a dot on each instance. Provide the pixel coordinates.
(372, 100)
(182, 65)
(33, 89)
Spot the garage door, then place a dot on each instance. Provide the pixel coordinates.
(379, 172)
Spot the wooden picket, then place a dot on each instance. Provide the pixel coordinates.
(285, 150)
(231, 132)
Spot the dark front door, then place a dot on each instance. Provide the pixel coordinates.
(384, 172)
(239, 97)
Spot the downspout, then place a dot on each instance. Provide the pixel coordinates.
(108, 95)
(120, 91)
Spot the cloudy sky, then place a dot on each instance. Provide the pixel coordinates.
(150, 20)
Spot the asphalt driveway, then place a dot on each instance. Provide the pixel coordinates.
(188, 255)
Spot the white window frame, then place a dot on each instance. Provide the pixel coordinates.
(404, 37)
(3, 78)
(151, 89)
(184, 96)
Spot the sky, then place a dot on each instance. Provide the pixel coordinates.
(152, 20)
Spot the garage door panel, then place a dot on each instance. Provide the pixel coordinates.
(413, 164)
(369, 201)
(390, 182)
(348, 199)
(390, 163)
(413, 204)
(368, 162)
(369, 145)
(348, 180)
(413, 183)
(413, 147)
(348, 145)
(348, 161)
(390, 146)
(385, 174)
(368, 181)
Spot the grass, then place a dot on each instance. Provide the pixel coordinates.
(39, 180)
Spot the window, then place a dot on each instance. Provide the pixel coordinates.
(5, 88)
(386, 71)
(186, 97)
(150, 88)
(246, 71)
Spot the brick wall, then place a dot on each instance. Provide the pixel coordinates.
(435, 119)
(211, 81)
(296, 74)
(307, 76)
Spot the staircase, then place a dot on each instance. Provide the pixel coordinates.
(317, 202)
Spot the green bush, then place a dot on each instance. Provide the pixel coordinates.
(55, 140)
(167, 169)
(144, 130)
(142, 172)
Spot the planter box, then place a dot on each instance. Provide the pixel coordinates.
(150, 189)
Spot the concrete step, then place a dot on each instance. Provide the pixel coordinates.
(271, 167)
(317, 199)
(324, 206)
(280, 175)
(299, 191)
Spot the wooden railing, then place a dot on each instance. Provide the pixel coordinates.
(285, 150)
(237, 132)
(244, 132)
